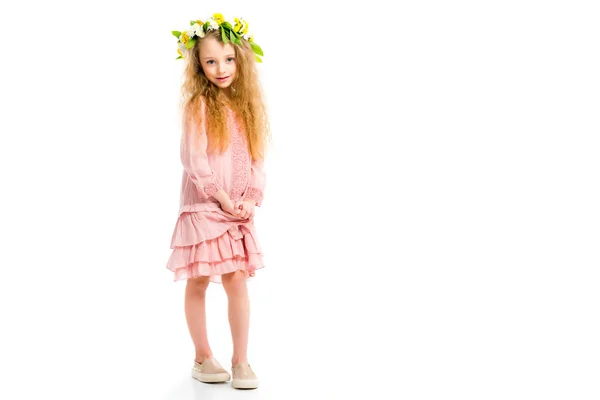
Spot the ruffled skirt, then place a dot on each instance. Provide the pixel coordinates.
(211, 243)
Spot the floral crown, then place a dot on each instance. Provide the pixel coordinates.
(229, 32)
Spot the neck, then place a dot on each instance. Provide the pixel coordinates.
(227, 92)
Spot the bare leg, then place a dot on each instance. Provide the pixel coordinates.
(195, 315)
(239, 314)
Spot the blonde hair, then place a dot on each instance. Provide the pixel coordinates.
(247, 98)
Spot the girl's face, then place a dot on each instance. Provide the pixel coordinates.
(218, 61)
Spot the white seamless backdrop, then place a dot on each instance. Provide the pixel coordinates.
(429, 227)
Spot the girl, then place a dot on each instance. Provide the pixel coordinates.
(224, 133)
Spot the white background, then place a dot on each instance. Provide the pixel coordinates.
(430, 225)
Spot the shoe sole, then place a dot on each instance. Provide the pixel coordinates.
(211, 378)
(244, 384)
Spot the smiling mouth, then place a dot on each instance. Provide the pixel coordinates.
(221, 79)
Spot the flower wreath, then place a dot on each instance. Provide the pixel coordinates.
(229, 32)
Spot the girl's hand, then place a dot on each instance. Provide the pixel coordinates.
(229, 207)
(244, 209)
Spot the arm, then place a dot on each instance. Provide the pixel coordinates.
(256, 186)
(194, 141)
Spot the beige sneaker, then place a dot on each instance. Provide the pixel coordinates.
(244, 377)
(209, 371)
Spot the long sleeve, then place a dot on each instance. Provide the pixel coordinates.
(194, 141)
(256, 186)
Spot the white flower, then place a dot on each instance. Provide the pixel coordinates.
(198, 30)
(190, 32)
(212, 24)
(248, 36)
(182, 49)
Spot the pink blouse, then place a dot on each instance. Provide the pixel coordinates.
(204, 174)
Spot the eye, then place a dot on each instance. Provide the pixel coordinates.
(209, 61)
(231, 58)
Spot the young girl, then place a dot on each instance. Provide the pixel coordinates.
(224, 134)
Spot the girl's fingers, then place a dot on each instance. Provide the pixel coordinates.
(243, 210)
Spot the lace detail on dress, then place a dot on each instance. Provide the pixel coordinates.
(255, 194)
(239, 158)
(212, 188)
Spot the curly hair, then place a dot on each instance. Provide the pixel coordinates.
(247, 98)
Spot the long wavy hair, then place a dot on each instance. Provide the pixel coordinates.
(246, 99)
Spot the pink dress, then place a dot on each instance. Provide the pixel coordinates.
(207, 241)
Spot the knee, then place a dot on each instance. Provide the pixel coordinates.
(198, 285)
(234, 283)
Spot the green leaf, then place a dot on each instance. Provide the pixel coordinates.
(224, 36)
(232, 36)
(206, 25)
(176, 34)
(238, 41)
(191, 43)
(257, 58)
(192, 23)
(256, 48)
(178, 58)
(227, 25)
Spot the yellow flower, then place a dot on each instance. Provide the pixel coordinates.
(219, 18)
(199, 22)
(238, 24)
(241, 26)
(184, 38)
(180, 53)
